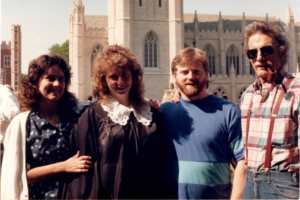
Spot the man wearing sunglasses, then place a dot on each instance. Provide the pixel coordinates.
(270, 116)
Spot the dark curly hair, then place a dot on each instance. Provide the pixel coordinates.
(271, 29)
(118, 57)
(29, 96)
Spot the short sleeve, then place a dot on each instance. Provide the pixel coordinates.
(235, 141)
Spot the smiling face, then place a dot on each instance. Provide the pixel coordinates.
(119, 82)
(261, 62)
(51, 85)
(191, 80)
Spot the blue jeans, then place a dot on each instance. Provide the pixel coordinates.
(276, 185)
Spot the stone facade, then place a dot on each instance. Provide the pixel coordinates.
(156, 30)
(11, 60)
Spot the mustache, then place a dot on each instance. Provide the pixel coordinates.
(191, 82)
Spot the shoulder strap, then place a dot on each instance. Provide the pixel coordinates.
(273, 116)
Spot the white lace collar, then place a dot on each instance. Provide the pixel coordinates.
(120, 114)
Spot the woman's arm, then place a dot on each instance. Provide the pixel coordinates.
(75, 164)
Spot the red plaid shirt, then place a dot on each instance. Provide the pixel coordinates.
(285, 138)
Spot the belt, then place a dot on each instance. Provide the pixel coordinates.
(274, 175)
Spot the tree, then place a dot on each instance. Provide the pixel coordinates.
(62, 49)
(23, 75)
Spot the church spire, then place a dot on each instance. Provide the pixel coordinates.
(244, 22)
(220, 22)
(79, 2)
(196, 28)
(289, 15)
(196, 17)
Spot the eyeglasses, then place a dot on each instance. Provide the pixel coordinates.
(265, 51)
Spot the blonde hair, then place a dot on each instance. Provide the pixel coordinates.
(118, 57)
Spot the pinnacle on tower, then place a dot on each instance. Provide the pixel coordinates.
(289, 15)
(196, 18)
(220, 16)
(79, 2)
(267, 18)
(244, 23)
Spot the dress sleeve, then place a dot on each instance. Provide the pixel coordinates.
(235, 134)
(84, 139)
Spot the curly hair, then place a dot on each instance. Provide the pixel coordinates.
(271, 29)
(118, 57)
(29, 95)
(190, 56)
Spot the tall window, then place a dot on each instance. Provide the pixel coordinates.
(151, 50)
(210, 53)
(6, 61)
(140, 2)
(3, 78)
(232, 57)
(159, 3)
(95, 51)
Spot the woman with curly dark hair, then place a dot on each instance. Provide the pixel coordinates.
(121, 132)
(36, 143)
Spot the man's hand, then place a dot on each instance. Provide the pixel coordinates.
(154, 104)
(176, 96)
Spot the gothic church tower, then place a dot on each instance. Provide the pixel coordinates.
(153, 29)
(16, 57)
(76, 49)
(290, 31)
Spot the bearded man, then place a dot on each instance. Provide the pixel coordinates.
(206, 134)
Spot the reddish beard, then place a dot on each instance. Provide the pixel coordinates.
(192, 90)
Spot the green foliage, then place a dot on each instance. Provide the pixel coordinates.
(23, 75)
(62, 49)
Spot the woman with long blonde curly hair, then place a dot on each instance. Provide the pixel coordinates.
(120, 131)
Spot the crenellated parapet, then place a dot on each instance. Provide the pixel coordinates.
(209, 30)
(96, 32)
(5, 45)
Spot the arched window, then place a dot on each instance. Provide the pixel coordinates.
(140, 2)
(95, 51)
(252, 72)
(210, 53)
(232, 57)
(159, 3)
(151, 50)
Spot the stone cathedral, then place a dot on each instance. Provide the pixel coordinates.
(156, 30)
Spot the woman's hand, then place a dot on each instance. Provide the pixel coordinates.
(154, 104)
(176, 96)
(77, 164)
(74, 164)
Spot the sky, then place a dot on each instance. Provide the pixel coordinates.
(46, 22)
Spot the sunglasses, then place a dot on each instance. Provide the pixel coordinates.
(265, 51)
